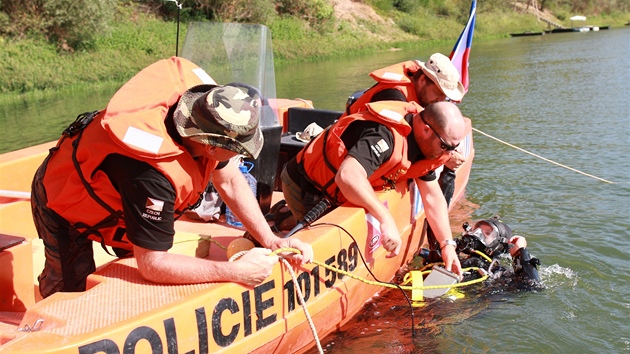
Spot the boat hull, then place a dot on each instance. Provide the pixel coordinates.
(121, 312)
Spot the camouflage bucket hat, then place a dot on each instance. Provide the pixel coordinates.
(221, 116)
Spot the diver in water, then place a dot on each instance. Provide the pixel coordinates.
(486, 246)
(494, 239)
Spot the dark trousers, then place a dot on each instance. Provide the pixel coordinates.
(447, 184)
(69, 254)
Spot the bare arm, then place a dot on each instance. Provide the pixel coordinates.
(517, 243)
(171, 268)
(436, 212)
(353, 182)
(235, 192)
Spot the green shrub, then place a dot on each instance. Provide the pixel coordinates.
(254, 11)
(408, 6)
(287, 28)
(425, 26)
(382, 5)
(35, 64)
(68, 23)
(312, 11)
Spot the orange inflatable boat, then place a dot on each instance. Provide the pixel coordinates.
(120, 312)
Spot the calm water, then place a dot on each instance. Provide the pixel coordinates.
(562, 96)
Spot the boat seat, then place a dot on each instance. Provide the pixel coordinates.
(119, 282)
(17, 288)
(8, 241)
(297, 120)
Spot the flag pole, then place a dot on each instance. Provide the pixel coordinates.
(461, 51)
(179, 7)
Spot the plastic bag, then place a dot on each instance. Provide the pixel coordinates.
(210, 208)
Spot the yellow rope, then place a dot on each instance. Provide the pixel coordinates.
(356, 277)
(386, 285)
(483, 255)
(403, 286)
(216, 243)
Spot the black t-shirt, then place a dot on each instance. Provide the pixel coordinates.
(148, 201)
(370, 143)
(148, 197)
(389, 95)
(414, 154)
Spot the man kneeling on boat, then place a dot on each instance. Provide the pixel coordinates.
(122, 176)
(372, 150)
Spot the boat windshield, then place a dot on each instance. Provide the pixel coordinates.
(234, 52)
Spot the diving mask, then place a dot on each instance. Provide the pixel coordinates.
(488, 236)
(485, 232)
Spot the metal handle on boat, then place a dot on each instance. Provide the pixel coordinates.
(36, 326)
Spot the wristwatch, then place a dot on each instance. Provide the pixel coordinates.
(446, 243)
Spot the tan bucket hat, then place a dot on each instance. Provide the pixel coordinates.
(312, 130)
(444, 74)
(221, 116)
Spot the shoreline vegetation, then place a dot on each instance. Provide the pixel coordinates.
(129, 35)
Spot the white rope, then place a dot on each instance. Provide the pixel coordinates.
(303, 304)
(15, 194)
(299, 293)
(540, 157)
(305, 101)
(236, 256)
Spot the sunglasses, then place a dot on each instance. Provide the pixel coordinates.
(443, 145)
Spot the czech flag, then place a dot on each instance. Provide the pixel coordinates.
(461, 51)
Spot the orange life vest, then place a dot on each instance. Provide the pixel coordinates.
(397, 76)
(132, 125)
(320, 159)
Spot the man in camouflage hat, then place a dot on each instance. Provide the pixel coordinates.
(122, 176)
